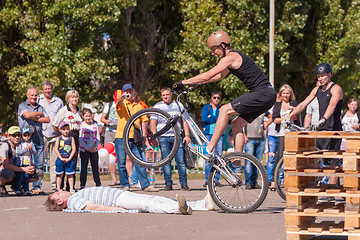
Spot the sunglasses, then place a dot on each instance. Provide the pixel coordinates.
(216, 97)
(26, 134)
(16, 135)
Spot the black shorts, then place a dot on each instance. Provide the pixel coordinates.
(252, 104)
(330, 144)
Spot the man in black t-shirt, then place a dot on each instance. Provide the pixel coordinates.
(248, 106)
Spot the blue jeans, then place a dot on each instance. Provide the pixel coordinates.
(218, 149)
(121, 160)
(270, 165)
(38, 163)
(22, 178)
(255, 148)
(166, 144)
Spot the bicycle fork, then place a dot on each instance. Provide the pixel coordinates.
(227, 173)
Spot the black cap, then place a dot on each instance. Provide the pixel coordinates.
(323, 68)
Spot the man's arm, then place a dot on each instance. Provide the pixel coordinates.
(101, 207)
(187, 138)
(35, 116)
(7, 165)
(44, 119)
(304, 103)
(216, 73)
(307, 120)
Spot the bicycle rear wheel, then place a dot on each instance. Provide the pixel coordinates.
(234, 197)
(279, 179)
(165, 125)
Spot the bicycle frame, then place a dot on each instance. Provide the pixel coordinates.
(202, 140)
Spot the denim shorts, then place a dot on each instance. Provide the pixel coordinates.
(61, 167)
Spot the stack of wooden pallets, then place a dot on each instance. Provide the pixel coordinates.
(305, 216)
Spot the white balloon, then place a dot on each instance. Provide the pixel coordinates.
(103, 156)
(112, 159)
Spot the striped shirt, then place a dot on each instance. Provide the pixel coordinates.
(96, 195)
(172, 109)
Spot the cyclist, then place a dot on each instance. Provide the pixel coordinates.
(330, 98)
(248, 106)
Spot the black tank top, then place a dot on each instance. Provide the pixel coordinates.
(250, 73)
(333, 123)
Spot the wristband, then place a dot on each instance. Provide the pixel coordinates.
(324, 118)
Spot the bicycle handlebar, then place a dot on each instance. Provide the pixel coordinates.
(179, 89)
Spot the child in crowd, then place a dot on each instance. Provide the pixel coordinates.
(25, 151)
(89, 140)
(65, 149)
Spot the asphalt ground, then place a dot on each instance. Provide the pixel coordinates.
(26, 218)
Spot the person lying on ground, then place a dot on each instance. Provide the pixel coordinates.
(113, 199)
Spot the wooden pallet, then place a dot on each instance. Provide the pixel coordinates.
(301, 167)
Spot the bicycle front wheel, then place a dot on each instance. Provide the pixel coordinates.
(239, 197)
(165, 127)
(279, 178)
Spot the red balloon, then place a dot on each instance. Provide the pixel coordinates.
(100, 147)
(110, 147)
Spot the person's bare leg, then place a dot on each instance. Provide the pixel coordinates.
(237, 126)
(221, 124)
(71, 182)
(112, 170)
(129, 166)
(58, 181)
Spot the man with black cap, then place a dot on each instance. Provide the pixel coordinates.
(8, 158)
(330, 98)
(125, 107)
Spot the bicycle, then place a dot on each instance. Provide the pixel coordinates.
(231, 196)
(279, 169)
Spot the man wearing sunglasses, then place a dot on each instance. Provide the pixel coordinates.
(8, 158)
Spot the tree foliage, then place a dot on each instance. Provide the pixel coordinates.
(306, 34)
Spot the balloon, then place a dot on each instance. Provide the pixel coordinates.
(99, 147)
(103, 156)
(112, 159)
(110, 147)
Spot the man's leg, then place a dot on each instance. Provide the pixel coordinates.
(121, 160)
(259, 151)
(154, 204)
(140, 171)
(221, 124)
(39, 163)
(165, 150)
(180, 163)
(237, 126)
(250, 149)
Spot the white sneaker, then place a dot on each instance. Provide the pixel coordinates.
(209, 203)
(183, 207)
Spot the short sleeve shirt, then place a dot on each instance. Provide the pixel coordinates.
(65, 114)
(313, 109)
(37, 136)
(96, 195)
(113, 117)
(52, 108)
(4, 152)
(172, 109)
